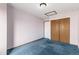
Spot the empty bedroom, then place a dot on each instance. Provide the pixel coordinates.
(42, 28)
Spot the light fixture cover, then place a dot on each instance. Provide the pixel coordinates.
(43, 4)
(51, 13)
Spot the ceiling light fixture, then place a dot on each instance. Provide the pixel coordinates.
(50, 13)
(43, 4)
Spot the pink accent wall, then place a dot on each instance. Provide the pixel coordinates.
(26, 27)
(3, 28)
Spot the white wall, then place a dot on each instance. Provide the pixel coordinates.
(26, 27)
(74, 25)
(47, 27)
(3, 28)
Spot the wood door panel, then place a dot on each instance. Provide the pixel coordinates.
(55, 30)
(64, 30)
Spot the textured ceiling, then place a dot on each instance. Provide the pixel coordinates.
(36, 10)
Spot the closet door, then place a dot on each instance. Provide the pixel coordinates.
(65, 30)
(55, 30)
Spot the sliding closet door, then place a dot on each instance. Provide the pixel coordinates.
(55, 30)
(65, 30)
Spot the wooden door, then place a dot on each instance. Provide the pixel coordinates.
(55, 30)
(64, 30)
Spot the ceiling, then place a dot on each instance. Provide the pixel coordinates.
(36, 10)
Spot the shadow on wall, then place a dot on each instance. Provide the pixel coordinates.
(10, 26)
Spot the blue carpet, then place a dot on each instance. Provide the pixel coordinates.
(44, 47)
